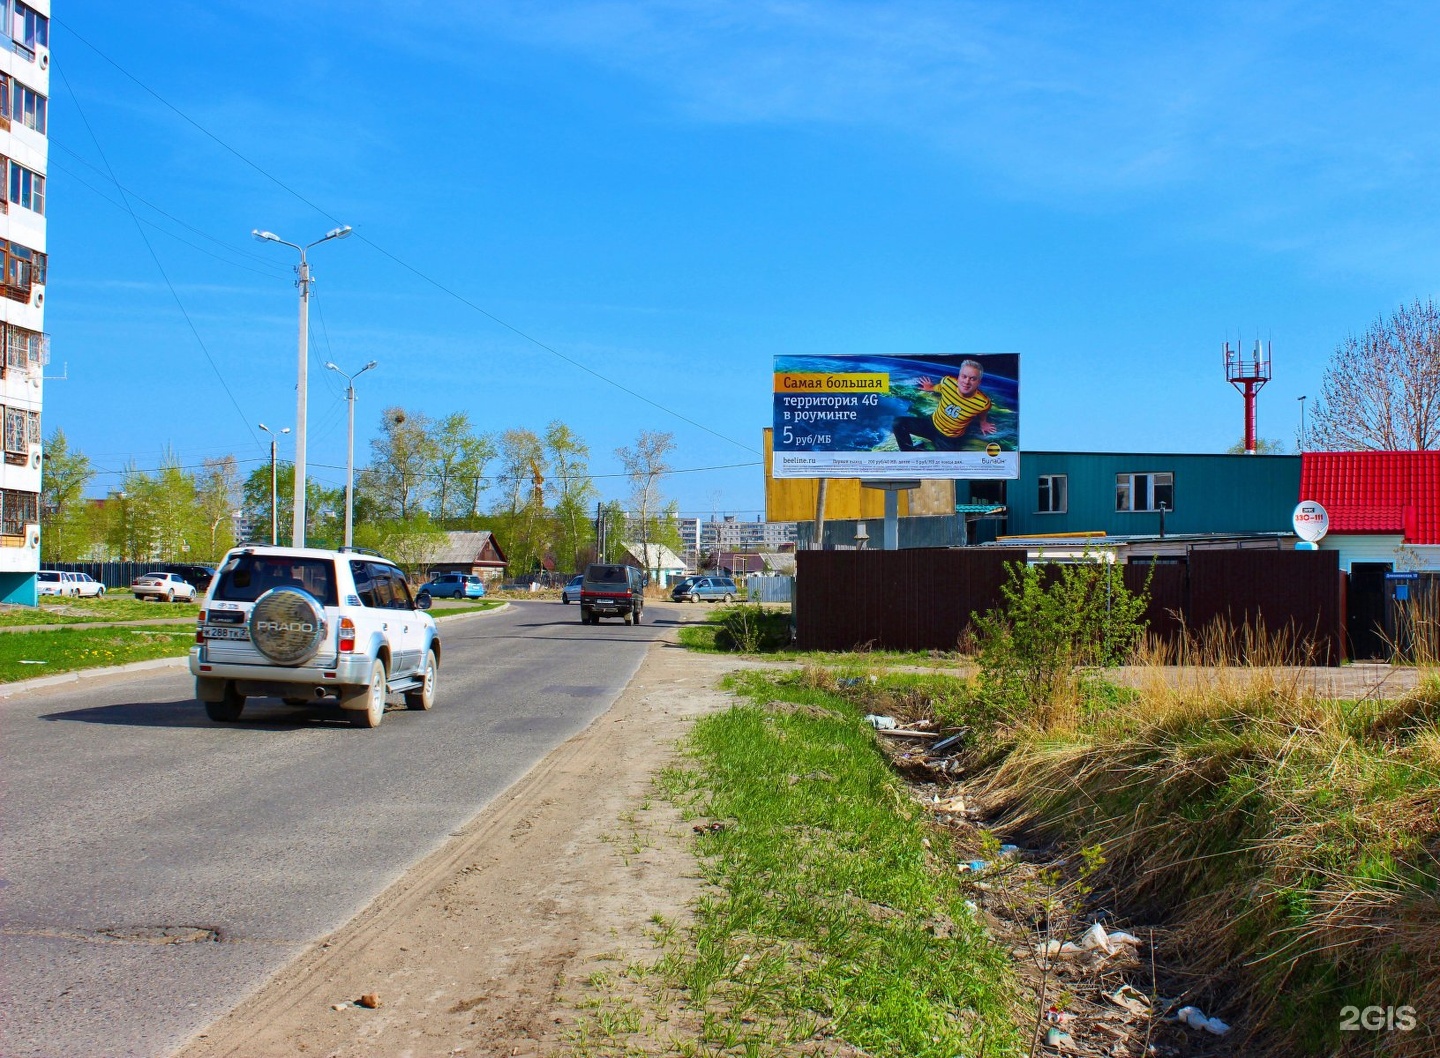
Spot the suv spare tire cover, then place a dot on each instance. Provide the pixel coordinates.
(287, 625)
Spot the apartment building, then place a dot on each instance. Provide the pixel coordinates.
(729, 533)
(24, 102)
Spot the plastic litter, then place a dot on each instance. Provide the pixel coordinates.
(1121, 937)
(949, 743)
(974, 865)
(1056, 1016)
(1009, 852)
(1060, 1040)
(1055, 947)
(848, 681)
(1196, 1019)
(1129, 998)
(1096, 937)
(880, 723)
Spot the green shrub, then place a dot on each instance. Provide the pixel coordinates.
(1053, 621)
(753, 629)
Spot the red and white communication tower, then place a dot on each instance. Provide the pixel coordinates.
(1248, 374)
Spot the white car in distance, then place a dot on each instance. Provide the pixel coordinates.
(167, 586)
(53, 582)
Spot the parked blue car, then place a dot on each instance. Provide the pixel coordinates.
(711, 589)
(455, 586)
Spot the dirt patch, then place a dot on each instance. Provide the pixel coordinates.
(485, 946)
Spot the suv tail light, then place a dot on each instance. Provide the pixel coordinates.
(347, 635)
(200, 628)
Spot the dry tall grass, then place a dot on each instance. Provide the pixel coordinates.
(1290, 844)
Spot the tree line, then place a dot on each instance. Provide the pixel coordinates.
(534, 491)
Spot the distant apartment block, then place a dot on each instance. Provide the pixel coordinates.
(24, 153)
(706, 537)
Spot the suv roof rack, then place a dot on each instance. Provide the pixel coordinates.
(361, 550)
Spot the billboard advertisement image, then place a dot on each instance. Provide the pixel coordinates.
(897, 416)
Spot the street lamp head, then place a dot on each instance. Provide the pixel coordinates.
(331, 367)
(265, 236)
(367, 367)
(338, 233)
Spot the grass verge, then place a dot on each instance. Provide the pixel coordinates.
(25, 655)
(54, 610)
(759, 629)
(444, 607)
(834, 919)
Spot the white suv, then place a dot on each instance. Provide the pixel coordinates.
(305, 624)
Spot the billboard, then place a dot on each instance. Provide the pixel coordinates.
(897, 416)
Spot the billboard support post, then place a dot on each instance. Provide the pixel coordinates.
(892, 490)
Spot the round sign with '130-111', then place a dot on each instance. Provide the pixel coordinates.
(1311, 520)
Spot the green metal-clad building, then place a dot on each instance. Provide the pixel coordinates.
(1122, 493)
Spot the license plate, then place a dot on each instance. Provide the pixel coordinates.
(227, 633)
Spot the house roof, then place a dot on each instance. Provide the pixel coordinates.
(655, 556)
(462, 547)
(1376, 492)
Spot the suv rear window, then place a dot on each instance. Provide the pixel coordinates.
(247, 577)
(607, 575)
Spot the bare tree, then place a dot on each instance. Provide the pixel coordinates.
(1381, 391)
(645, 464)
(397, 479)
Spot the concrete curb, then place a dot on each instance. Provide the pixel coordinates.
(8, 690)
(40, 682)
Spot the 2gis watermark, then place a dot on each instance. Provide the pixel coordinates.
(1377, 1019)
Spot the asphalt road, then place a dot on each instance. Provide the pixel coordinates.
(156, 867)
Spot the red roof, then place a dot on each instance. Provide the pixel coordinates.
(1376, 492)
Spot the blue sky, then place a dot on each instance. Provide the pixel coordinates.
(671, 193)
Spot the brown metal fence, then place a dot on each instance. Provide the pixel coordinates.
(915, 599)
(923, 598)
(1290, 598)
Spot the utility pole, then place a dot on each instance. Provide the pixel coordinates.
(303, 374)
(350, 448)
(274, 490)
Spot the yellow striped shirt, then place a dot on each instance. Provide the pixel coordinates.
(954, 414)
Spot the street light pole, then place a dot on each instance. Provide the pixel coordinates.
(298, 533)
(1302, 422)
(350, 447)
(274, 497)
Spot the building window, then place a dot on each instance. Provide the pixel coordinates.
(25, 349)
(26, 106)
(15, 430)
(32, 427)
(29, 29)
(27, 188)
(20, 269)
(17, 510)
(1144, 492)
(1053, 496)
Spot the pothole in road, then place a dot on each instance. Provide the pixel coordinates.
(121, 934)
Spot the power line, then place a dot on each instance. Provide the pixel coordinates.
(403, 264)
(272, 271)
(84, 183)
(154, 257)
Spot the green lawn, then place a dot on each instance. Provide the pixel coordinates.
(24, 655)
(441, 607)
(115, 606)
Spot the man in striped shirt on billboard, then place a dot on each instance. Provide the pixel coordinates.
(959, 404)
